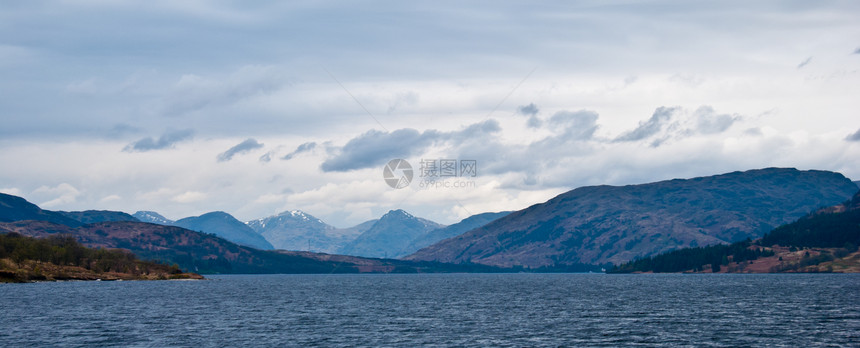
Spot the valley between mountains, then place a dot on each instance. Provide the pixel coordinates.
(586, 229)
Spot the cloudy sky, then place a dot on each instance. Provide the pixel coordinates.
(185, 107)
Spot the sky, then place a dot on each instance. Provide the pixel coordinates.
(186, 107)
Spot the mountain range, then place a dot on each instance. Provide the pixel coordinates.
(588, 225)
(297, 230)
(395, 234)
(392, 236)
(197, 251)
(615, 224)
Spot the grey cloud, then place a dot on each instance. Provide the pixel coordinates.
(857, 51)
(668, 124)
(245, 146)
(194, 92)
(166, 140)
(376, 147)
(652, 126)
(121, 129)
(755, 131)
(473, 131)
(805, 62)
(854, 137)
(301, 149)
(574, 137)
(577, 125)
(659, 141)
(528, 110)
(266, 157)
(709, 122)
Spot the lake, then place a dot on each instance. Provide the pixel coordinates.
(439, 309)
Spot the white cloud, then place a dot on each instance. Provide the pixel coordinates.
(189, 197)
(62, 193)
(110, 198)
(11, 191)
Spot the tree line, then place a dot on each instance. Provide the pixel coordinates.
(817, 230)
(66, 251)
(696, 259)
(839, 230)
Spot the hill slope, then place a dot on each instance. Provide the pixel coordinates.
(823, 241)
(296, 230)
(92, 216)
(599, 224)
(454, 230)
(152, 217)
(391, 236)
(831, 227)
(225, 226)
(14, 208)
(191, 250)
(206, 253)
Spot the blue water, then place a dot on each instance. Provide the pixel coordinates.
(442, 310)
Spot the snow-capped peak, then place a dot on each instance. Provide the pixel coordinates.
(400, 212)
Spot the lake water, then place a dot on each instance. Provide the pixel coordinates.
(439, 309)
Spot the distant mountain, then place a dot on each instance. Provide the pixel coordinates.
(14, 208)
(92, 216)
(599, 224)
(194, 251)
(457, 229)
(225, 226)
(360, 228)
(191, 250)
(206, 253)
(390, 236)
(152, 217)
(857, 183)
(296, 230)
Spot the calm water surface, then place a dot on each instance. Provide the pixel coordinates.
(439, 310)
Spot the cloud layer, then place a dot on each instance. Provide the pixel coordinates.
(375, 148)
(240, 148)
(165, 141)
(854, 137)
(306, 147)
(657, 122)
